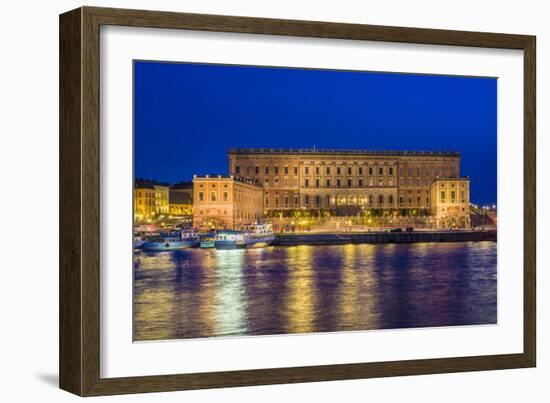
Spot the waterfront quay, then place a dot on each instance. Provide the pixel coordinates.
(383, 237)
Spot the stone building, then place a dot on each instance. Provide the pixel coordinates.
(226, 202)
(150, 199)
(451, 202)
(312, 178)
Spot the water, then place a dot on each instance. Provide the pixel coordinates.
(206, 293)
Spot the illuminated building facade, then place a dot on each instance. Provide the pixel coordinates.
(180, 199)
(451, 202)
(150, 199)
(226, 202)
(180, 203)
(321, 179)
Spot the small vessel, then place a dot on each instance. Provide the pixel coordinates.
(229, 239)
(252, 236)
(207, 241)
(183, 239)
(139, 241)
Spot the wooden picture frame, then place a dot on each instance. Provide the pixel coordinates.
(79, 346)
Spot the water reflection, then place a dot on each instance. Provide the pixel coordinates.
(204, 293)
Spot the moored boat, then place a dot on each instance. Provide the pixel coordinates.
(207, 242)
(252, 236)
(229, 239)
(139, 241)
(174, 240)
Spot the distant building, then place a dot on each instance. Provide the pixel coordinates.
(150, 199)
(180, 203)
(183, 187)
(314, 179)
(451, 202)
(226, 202)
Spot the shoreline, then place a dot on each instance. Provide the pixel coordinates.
(343, 238)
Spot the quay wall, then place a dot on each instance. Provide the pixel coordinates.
(384, 237)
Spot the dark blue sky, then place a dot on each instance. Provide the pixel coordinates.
(186, 116)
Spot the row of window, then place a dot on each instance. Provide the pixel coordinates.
(152, 195)
(328, 200)
(349, 170)
(237, 214)
(341, 183)
(225, 197)
(150, 202)
(442, 195)
(214, 196)
(213, 185)
(426, 181)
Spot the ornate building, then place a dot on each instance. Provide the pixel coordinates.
(150, 199)
(311, 178)
(226, 201)
(451, 202)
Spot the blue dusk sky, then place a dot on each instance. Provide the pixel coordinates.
(186, 116)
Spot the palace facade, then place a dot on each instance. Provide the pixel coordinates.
(226, 202)
(311, 178)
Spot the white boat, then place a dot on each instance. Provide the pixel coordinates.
(139, 241)
(186, 238)
(252, 236)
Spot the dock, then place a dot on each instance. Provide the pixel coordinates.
(345, 238)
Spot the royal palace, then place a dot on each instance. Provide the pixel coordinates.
(292, 179)
(310, 178)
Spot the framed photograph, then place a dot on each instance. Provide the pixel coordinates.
(248, 201)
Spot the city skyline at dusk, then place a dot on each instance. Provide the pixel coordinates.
(187, 116)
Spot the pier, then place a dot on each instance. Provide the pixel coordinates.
(383, 237)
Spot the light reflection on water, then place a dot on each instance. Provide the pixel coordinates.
(203, 293)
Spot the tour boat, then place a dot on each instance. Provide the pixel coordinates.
(186, 238)
(252, 236)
